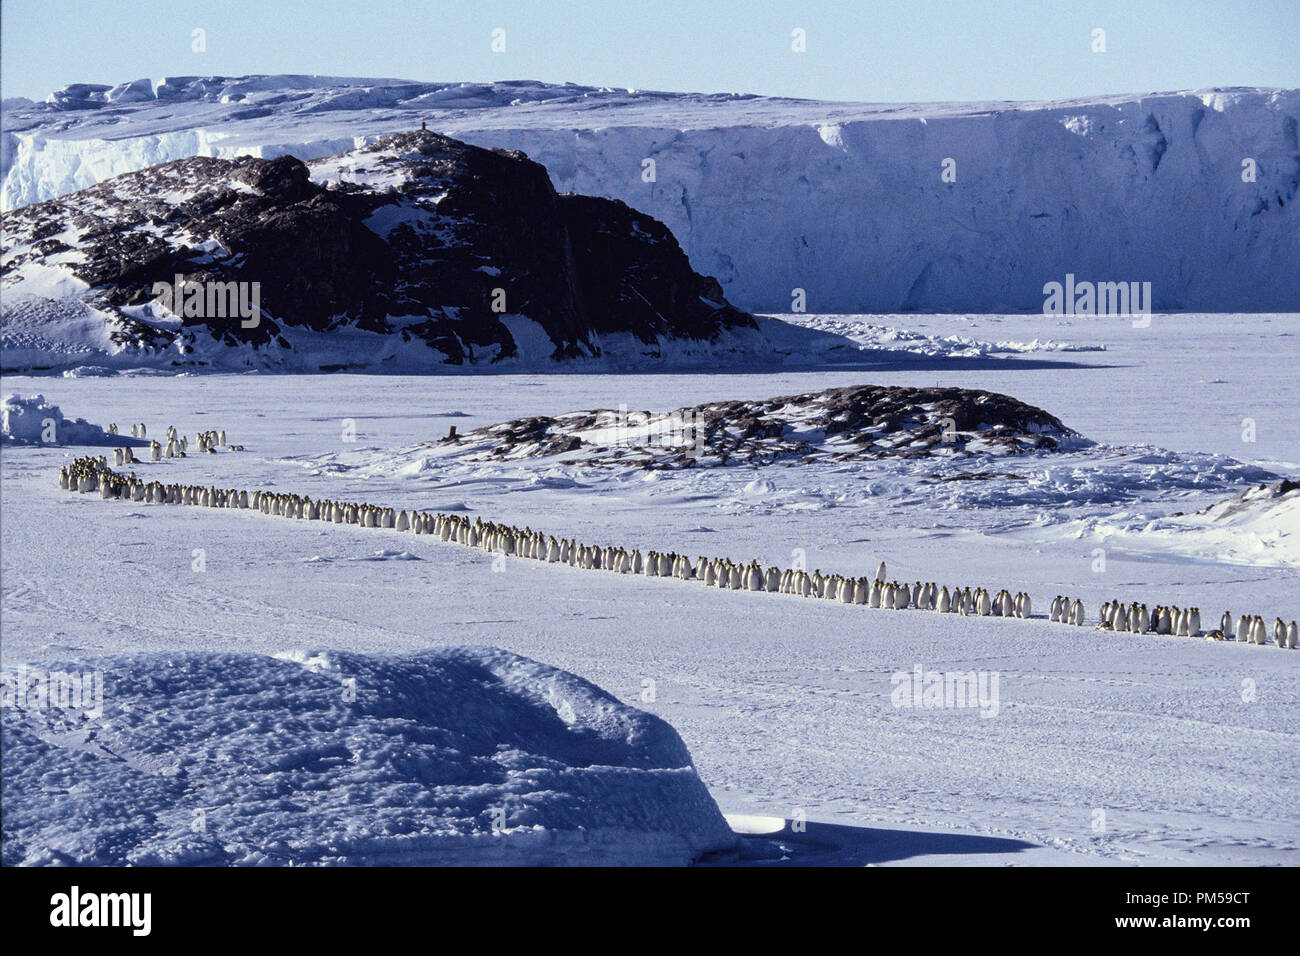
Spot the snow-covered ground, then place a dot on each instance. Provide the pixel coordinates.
(447, 756)
(1099, 747)
(846, 201)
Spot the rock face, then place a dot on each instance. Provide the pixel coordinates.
(416, 237)
(839, 424)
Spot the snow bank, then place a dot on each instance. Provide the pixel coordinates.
(842, 200)
(34, 421)
(455, 755)
(1257, 528)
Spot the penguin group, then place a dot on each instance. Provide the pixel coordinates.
(877, 591)
(208, 442)
(1252, 629)
(176, 447)
(1066, 611)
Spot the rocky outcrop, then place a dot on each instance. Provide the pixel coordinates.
(417, 237)
(839, 424)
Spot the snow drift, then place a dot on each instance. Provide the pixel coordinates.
(1193, 192)
(1258, 528)
(446, 756)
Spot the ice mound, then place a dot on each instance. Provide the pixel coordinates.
(34, 421)
(460, 755)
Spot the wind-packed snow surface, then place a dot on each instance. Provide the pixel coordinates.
(457, 755)
(1193, 192)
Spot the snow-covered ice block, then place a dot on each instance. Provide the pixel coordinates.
(31, 420)
(459, 755)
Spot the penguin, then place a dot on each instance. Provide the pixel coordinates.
(771, 581)
(1166, 622)
(1243, 629)
(1279, 632)
(945, 601)
(1076, 613)
(880, 573)
(1292, 636)
(861, 591)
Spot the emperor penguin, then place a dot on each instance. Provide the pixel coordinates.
(945, 601)
(1225, 623)
(880, 572)
(1193, 622)
(902, 597)
(1279, 632)
(1243, 628)
(1076, 613)
(1292, 636)
(861, 591)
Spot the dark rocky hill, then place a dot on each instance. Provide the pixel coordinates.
(417, 238)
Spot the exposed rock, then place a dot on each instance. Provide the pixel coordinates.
(416, 236)
(839, 424)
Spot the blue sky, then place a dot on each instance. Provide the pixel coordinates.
(868, 50)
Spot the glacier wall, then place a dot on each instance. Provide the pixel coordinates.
(1195, 193)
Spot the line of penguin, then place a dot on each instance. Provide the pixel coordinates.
(92, 474)
(177, 444)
